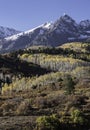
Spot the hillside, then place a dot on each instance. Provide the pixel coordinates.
(46, 85)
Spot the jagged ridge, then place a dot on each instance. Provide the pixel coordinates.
(63, 30)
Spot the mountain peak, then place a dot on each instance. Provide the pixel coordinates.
(67, 18)
(5, 32)
(85, 24)
(66, 15)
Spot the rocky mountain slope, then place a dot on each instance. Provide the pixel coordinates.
(5, 32)
(63, 30)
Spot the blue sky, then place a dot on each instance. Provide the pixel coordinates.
(26, 14)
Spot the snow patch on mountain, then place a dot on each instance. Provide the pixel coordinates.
(71, 38)
(83, 37)
(43, 27)
(32, 30)
(13, 37)
(47, 25)
(88, 31)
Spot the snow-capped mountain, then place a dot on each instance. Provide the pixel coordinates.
(5, 32)
(63, 30)
(43, 27)
(85, 24)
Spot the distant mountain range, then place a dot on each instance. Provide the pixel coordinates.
(5, 32)
(63, 30)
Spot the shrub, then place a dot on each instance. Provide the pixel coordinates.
(7, 108)
(48, 123)
(76, 117)
(24, 108)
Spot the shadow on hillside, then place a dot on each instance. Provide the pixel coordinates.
(17, 66)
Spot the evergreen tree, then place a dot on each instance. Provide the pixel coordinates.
(69, 84)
